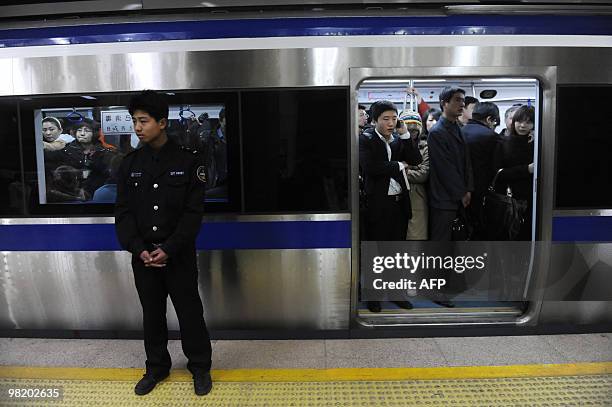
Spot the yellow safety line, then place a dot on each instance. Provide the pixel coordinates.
(316, 375)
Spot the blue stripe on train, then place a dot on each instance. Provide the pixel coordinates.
(582, 229)
(213, 235)
(290, 27)
(252, 235)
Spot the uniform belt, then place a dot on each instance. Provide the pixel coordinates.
(395, 198)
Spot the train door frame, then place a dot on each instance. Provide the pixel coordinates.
(543, 207)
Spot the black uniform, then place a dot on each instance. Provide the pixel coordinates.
(160, 198)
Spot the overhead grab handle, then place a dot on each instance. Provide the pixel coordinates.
(74, 116)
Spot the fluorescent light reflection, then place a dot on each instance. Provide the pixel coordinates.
(369, 81)
(508, 80)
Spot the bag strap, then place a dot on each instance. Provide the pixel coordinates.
(492, 186)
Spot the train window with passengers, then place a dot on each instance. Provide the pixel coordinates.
(482, 146)
(80, 141)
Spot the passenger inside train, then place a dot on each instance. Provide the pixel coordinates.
(52, 130)
(79, 168)
(468, 165)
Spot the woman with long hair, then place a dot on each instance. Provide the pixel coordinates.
(514, 154)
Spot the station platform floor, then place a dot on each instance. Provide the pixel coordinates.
(543, 370)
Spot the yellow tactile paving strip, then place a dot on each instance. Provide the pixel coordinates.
(585, 384)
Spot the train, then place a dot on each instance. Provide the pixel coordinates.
(279, 249)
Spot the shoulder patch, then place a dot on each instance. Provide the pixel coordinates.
(201, 173)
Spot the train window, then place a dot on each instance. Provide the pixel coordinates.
(78, 142)
(583, 166)
(295, 150)
(12, 189)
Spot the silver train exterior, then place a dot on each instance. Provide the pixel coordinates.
(283, 289)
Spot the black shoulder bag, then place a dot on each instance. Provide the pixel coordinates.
(503, 214)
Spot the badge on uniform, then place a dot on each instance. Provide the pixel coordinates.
(136, 174)
(201, 173)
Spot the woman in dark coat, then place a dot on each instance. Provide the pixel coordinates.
(87, 155)
(515, 155)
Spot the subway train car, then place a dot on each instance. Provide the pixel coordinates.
(270, 96)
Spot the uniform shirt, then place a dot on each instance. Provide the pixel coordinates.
(160, 199)
(394, 187)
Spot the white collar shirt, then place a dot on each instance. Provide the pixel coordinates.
(394, 187)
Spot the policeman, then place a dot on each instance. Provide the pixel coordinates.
(158, 214)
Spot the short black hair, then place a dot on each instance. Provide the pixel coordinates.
(381, 106)
(447, 94)
(469, 100)
(482, 110)
(361, 107)
(151, 102)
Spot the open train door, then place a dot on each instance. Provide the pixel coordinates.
(467, 282)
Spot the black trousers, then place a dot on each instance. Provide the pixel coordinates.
(442, 245)
(179, 279)
(387, 217)
(475, 213)
(440, 224)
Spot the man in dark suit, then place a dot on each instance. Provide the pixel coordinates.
(481, 139)
(450, 174)
(450, 184)
(383, 157)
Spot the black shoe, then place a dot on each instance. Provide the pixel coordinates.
(202, 383)
(147, 383)
(373, 306)
(403, 304)
(447, 304)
